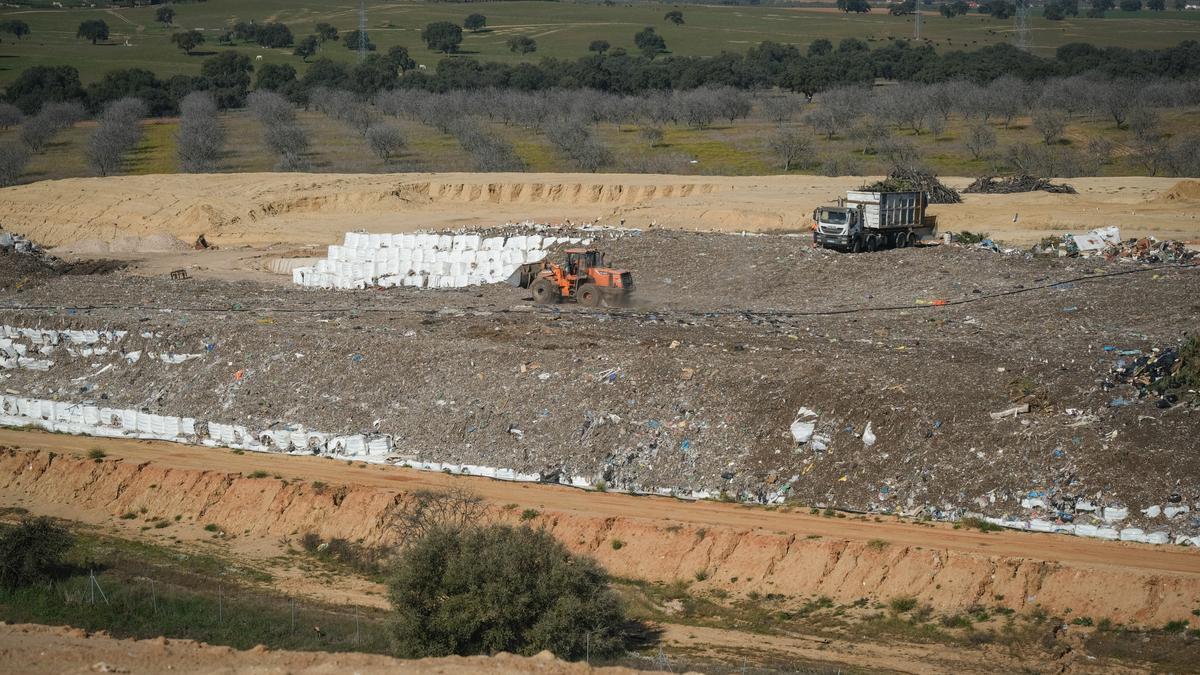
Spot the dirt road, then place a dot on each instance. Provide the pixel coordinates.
(47, 649)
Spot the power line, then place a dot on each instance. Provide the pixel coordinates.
(1021, 26)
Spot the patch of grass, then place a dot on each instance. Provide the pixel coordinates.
(529, 514)
(129, 515)
(257, 474)
(1082, 621)
(1176, 626)
(701, 575)
(902, 603)
(96, 454)
(980, 524)
(617, 544)
(877, 544)
(212, 527)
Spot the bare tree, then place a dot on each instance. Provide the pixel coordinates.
(13, 160)
(698, 107)
(575, 140)
(385, 140)
(870, 136)
(825, 120)
(732, 104)
(282, 134)
(1115, 98)
(39, 130)
(10, 116)
(118, 130)
(420, 512)
(652, 135)
(790, 147)
(901, 154)
(780, 109)
(1050, 124)
(488, 152)
(981, 140)
(200, 137)
(1184, 157)
(1145, 124)
(1006, 98)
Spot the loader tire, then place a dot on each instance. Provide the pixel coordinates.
(588, 295)
(544, 292)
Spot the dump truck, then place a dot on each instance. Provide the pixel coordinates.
(581, 277)
(872, 221)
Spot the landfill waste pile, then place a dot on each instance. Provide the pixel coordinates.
(934, 382)
(906, 180)
(1167, 376)
(991, 185)
(426, 260)
(1107, 242)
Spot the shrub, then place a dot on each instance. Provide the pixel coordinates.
(128, 515)
(257, 474)
(97, 454)
(529, 514)
(1082, 621)
(617, 544)
(1176, 626)
(701, 575)
(877, 544)
(212, 527)
(310, 542)
(978, 523)
(501, 588)
(902, 603)
(32, 552)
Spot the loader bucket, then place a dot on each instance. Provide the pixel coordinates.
(524, 275)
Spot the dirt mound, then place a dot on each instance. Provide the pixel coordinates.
(266, 208)
(1183, 191)
(50, 649)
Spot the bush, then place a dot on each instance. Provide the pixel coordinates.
(97, 454)
(501, 588)
(257, 474)
(903, 603)
(529, 514)
(32, 552)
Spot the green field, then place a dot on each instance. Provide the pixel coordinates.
(560, 29)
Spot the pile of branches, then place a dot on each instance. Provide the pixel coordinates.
(990, 185)
(911, 180)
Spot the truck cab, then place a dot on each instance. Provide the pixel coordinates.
(836, 226)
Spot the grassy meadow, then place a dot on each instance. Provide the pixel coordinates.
(561, 29)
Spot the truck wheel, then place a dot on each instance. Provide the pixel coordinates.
(901, 240)
(856, 245)
(913, 239)
(588, 295)
(544, 292)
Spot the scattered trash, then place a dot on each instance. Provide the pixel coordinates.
(868, 436)
(1011, 412)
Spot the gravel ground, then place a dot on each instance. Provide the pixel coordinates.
(695, 386)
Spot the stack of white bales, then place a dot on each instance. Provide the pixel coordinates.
(424, 260)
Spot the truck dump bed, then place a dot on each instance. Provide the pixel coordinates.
(889, 210)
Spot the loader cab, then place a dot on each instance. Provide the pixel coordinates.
(579, 260)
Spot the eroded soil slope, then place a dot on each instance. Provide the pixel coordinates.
(739, 549)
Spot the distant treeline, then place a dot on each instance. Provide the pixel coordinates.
(229, 75)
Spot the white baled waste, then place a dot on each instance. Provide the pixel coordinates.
(424, 260)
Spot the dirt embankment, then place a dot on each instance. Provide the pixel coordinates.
(739, 549)
(48, 649)
(267, 208)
